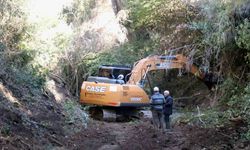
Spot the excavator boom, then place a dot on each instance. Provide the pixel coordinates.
(162, 63)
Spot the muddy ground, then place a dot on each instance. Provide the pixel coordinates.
(140, 134)
(132, 135)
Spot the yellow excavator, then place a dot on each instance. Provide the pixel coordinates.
(111, 99)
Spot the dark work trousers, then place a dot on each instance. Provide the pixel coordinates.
(158, 118)
(167, 120)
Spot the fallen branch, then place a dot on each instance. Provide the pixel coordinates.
(24, 143)
(237, 120)
(55, 141)
(228, 136)
(57, 78)
(188, 97)
(199, 116)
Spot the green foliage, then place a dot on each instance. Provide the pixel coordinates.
(12, 24)
(229, 85)
(21, 58)
(126, 54)
(246, 135)
(29, 76)
(158, 14)
(243, 38)
(217, 30)
(166, 20)
(240, 107)
(5, 130)
(217, 22)
(47, 42)
(15, 58)
(206, 118)
(78, 12)
(236, 102)
(74, 114)
(237, 97)
(82, 63)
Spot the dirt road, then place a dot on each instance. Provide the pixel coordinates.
(140, 135)
(128, 135)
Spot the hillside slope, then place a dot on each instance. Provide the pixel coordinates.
(33, 118)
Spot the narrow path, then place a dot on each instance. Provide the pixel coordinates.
(140, 135)
(129, 135)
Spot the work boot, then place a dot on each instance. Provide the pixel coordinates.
(167, 125)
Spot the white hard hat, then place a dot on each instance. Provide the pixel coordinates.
(166, 92)
(120, 77)
(156, 89)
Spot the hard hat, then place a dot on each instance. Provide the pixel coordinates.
(156, 89)
(166, 92)
(120, 77)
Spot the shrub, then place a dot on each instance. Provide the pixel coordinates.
(243, 38)
(75, 115)
(12, 24)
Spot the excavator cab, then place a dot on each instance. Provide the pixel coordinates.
(113, 71)
(110, 73)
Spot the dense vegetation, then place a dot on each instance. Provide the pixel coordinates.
(218, 32)
(14, 56)
(215, 34)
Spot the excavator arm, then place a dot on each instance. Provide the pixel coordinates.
(142, 67)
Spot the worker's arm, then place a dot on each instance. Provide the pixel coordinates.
(169, 101)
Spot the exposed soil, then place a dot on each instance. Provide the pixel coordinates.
(31, 119)
(133, 135)
(141, 135)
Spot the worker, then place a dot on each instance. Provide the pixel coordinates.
(107, 73)
(157, 102)
(120, 79)
(168, 106)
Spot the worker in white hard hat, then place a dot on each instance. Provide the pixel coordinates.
(157, 102)
(168, 106)
(120, 79)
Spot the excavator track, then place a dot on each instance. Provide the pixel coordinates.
(111, 114)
